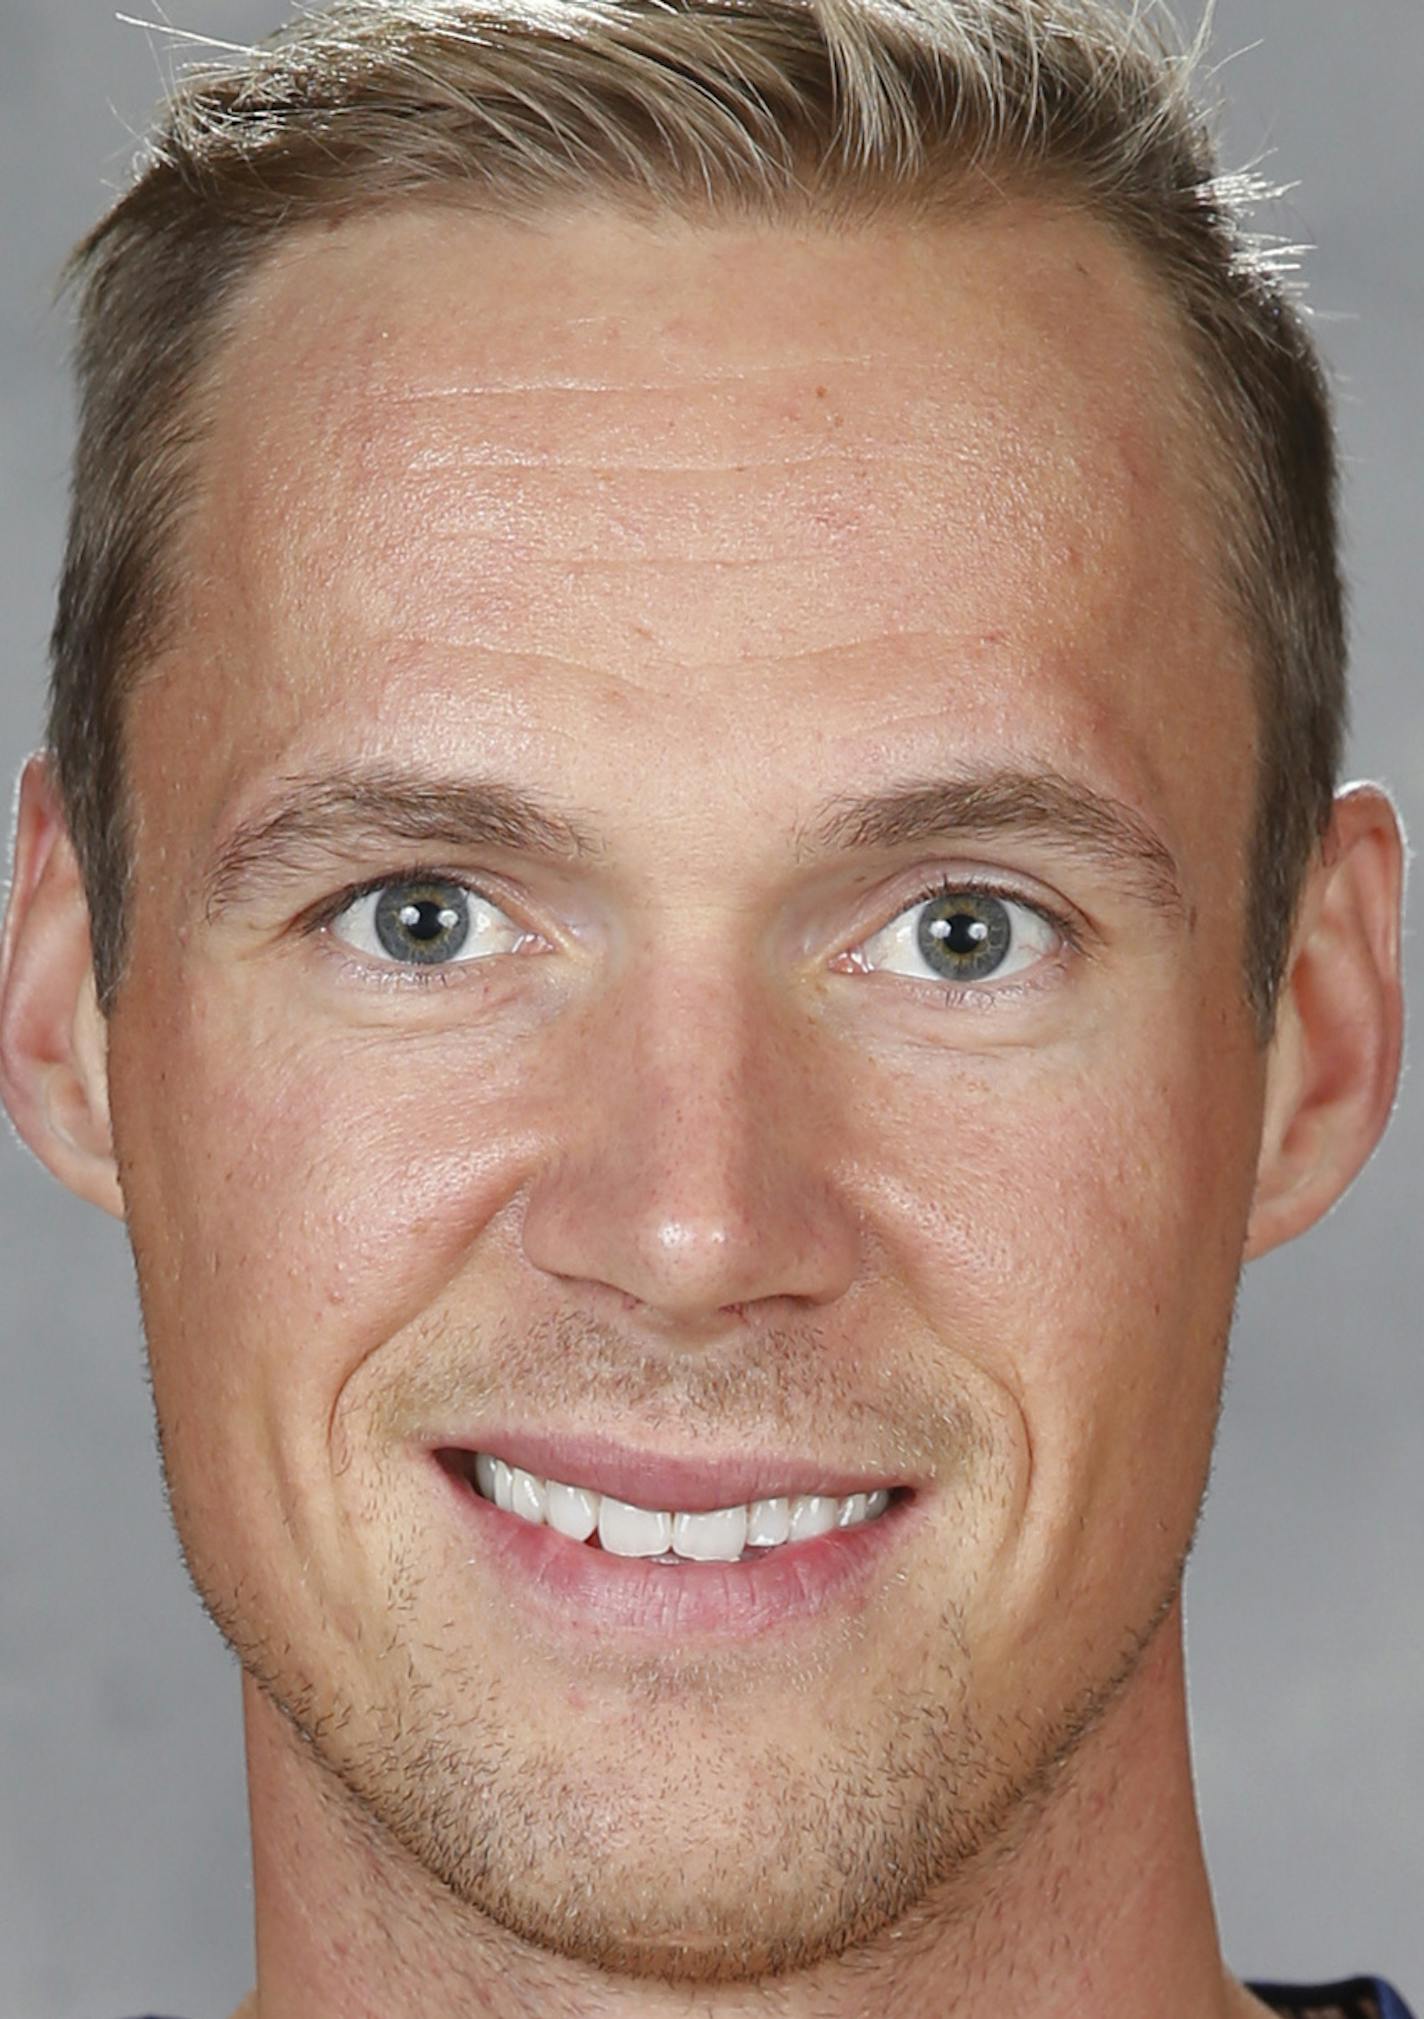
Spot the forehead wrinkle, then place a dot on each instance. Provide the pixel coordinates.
(486, 456)
(541, 491)
(487, 557)
(369, 412)
(422, 528)
(679, 383)
(377, 370)
(625, 429)
(918, 412)
(583, 565)
(414, 651)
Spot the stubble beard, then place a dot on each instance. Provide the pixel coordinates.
(663, 1876)
(697, 1868)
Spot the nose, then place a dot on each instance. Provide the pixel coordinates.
(694, 1171)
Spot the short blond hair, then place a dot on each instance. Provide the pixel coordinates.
(837, 110)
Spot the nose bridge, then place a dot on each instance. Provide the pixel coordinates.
(691, 1171)
(701, 1106)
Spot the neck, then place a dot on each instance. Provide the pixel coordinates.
(1100, 1905)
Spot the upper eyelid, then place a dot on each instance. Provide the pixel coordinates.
(331, 907)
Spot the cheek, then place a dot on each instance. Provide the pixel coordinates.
(1072, 1243)
(1071, 1231)
(296, 1204)
(293, 1207)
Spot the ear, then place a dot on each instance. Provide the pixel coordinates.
(53, 1037)
(1334, 1060)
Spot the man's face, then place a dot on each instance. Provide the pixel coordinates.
(701, 1140)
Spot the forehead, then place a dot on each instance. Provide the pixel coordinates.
(514, 468)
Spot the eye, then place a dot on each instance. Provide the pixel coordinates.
(425, 921)
(964, 936)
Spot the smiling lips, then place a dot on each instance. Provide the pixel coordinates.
(576, 1589)
(725, 1550)
(719, 1535)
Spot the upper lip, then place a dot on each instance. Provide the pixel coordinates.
(662, 1480)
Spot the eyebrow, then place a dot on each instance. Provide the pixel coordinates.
(328, 813)
(1039, 805)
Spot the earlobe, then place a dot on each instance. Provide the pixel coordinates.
(53, 1037)
(1335, 1056)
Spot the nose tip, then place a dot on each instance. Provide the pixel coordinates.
(687, 1263)
(699, 1273)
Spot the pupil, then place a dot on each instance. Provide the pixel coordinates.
(427, 920)
(429, 923)
(962, 934)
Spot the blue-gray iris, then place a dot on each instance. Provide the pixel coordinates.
(426, 922)
(964, 936)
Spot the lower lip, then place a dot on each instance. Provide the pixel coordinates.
(579, 1586)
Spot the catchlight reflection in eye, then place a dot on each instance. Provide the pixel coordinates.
(425, 922)
(964, 936)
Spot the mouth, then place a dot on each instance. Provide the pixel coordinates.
(591, 1561)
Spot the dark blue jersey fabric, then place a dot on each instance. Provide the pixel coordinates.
(1355, 1998)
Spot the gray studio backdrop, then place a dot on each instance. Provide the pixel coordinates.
(124, 1882)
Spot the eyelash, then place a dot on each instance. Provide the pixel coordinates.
(330, 908)
(987, 886)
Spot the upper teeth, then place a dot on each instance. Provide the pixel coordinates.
(716, 1537)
